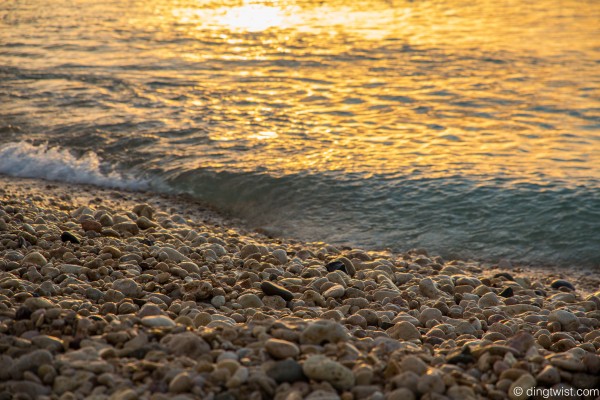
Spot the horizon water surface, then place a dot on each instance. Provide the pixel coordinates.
(471, 129)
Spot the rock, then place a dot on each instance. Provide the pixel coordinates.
(36, 303)
(504, 275)
(521, 342)
(35, 258)
(144, 210)
(404, 330)
(414, 364)
(336, 291)
(144, 223)
(427, 288)
(489, 300)
(128, 287)
(249, 250)
(336, 266)
(280, 349)
(323, 331)
(158, 321)
(69, 237)
(322, 368)
(519, 388)
(31, 389)
(49, 343)
(30, 362)
(548, 376)
(250, 300)
(281, 256)
(461, 356)
(400, 394)
(91, 225)
(272, 289)
(126, 227)
(567, 319)
(286, 371)
(560, 283)
(218, 301)
(431, 382)
(180, 383)
(507, 292)
(186, 344)
(240, 376)
(430, 314)
(173, 255)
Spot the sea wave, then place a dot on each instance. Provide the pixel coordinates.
(24, 159)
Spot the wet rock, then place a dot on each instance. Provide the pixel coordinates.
(69, 237)
(560, 283)
(322, 368)
(272, 289)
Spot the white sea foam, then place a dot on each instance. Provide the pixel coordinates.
(24, 159)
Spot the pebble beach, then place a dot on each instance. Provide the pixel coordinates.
(118, 295)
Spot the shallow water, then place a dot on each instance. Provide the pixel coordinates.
(468, 128)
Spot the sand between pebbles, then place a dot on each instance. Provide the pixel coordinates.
(164, 299)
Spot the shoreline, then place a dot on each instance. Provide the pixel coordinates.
(165, 298)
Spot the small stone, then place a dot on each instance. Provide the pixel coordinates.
(336, 291)
(30, 362)
(36, 303)
(286, 371)
(35, 258)
(144, 210)
(69, 237)
(126, 227)
(414, 364)
(91, 225)
(567, 319)
(489, 300)
(281, 256)
(404, 330)
(548, 376)
(504, 275)
(249, 250)
(181, 383)
(272, 289)
(430, 314)
(144, 223)
(280, 349)
(427, 287)
(158, 321)
(400, 394)
(336, 266)
(323, 331)
(128, 287)
(322, 368)
(559, 283)
(507, 292)
(524, 384)
(431, 382)
(173, 255)
(218, 301)
(49, 343)
(250, 300)
(185, 344)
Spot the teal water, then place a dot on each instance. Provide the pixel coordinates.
(471, 129)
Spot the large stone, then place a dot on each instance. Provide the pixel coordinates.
(250, 300)
(30, 362)
(322, 368)
(567, 320)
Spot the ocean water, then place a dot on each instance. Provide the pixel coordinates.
(469, 128)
